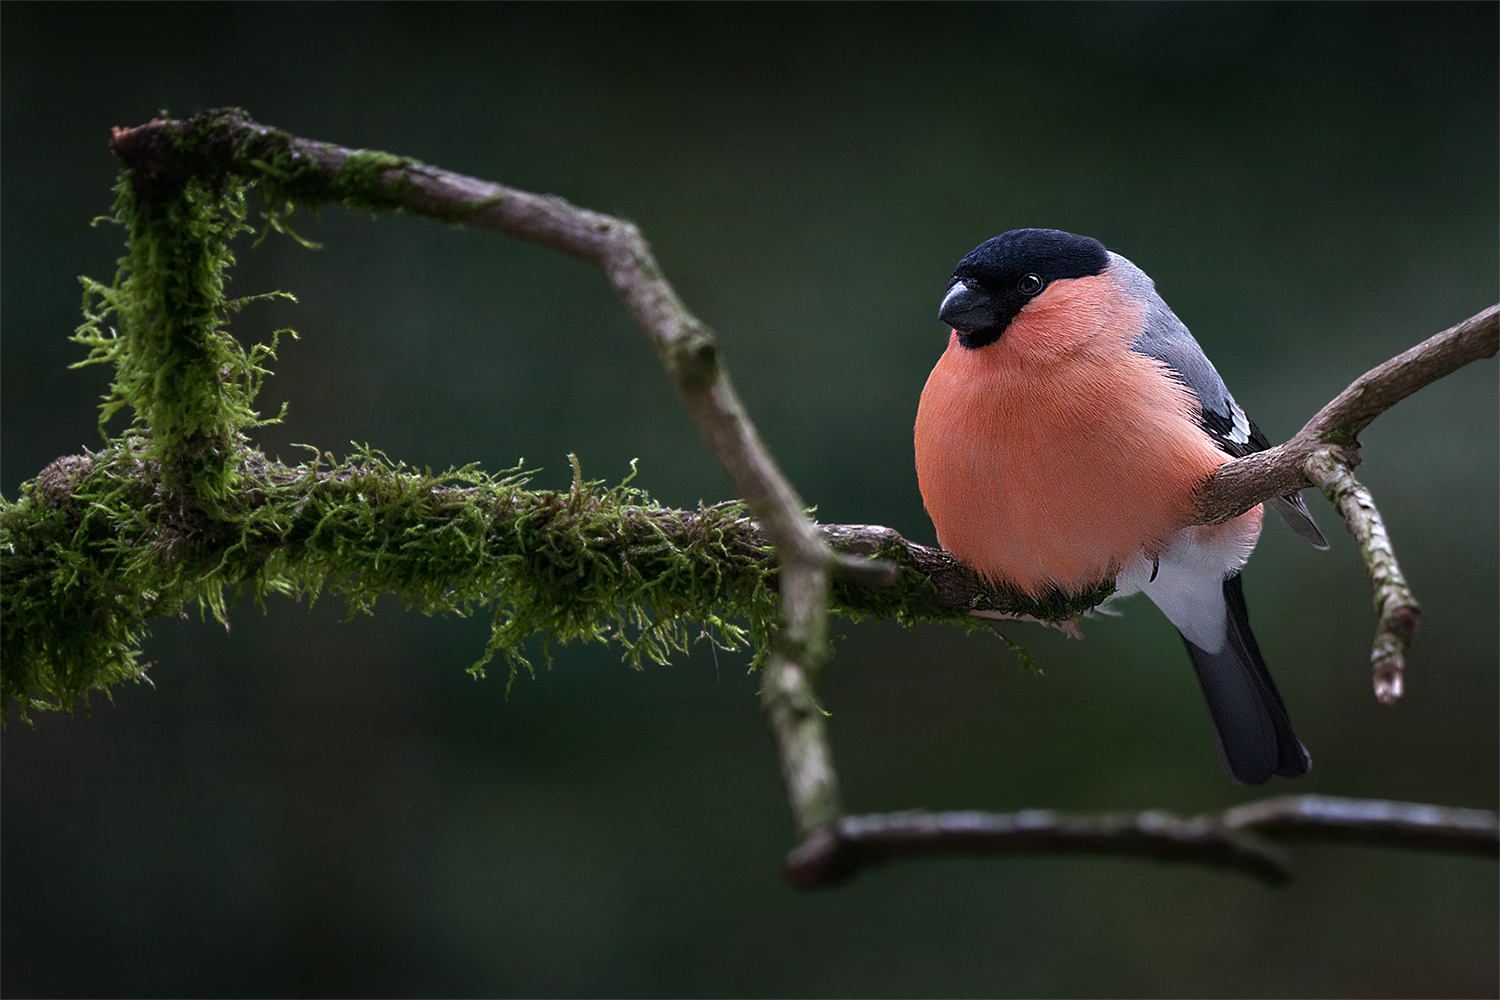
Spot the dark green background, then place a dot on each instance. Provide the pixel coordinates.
(307, 806)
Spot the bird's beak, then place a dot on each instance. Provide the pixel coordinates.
(966, 308)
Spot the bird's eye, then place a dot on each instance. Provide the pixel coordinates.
(1030, 285)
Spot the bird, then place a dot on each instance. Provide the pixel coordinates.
(1060, 441)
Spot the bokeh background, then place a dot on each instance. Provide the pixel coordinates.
(317, 807)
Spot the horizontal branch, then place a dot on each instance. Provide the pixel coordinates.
(1370, 821)
(1235, 839)
(369, 527)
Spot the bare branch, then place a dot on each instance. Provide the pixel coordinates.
(1241, 484)
(1394, 603)
(1324, 453)
(1370, 821)
(1384, 386)
(1235, 839)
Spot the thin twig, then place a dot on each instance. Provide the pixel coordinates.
(1394, 603)
(1370, 821)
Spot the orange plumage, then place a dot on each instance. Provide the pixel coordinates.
(1022, 477)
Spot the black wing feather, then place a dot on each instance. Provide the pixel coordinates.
(1252, 731)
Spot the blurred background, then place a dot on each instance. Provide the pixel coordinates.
(311, 806)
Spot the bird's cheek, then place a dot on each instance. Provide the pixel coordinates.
(1074, 314)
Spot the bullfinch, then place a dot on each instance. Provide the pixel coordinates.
(1060, 442)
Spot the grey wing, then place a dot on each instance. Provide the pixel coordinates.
(1166, 338)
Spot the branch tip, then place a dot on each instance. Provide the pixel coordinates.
(1397, 606)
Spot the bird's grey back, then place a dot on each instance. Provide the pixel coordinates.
(1165, 337)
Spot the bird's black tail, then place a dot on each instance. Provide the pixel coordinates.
(1251, 729)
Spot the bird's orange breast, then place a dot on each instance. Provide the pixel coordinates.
(1050, 457)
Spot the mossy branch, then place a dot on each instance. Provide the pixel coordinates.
(180, 509)
(167, 161)
(100, 544)
(164, 158)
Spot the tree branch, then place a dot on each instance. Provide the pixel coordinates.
(1324, 453)
(1241, 484)
(688, 351)
(1370, 821)
(1394, 603)
(1235, 839)
(103, 541)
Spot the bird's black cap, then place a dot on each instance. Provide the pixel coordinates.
(996, 279)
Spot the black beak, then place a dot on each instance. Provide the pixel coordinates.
(966, 308)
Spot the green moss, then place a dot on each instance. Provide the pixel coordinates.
(99, 545)
(179, 511)
(162, 324)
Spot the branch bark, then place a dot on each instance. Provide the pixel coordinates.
(1325, 452)
(1394, 602)
(1237, 839)
(1241, 484)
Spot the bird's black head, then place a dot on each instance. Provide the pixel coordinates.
(997, 278)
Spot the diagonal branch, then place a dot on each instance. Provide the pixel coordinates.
(1241, 484)
(1324, 453)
